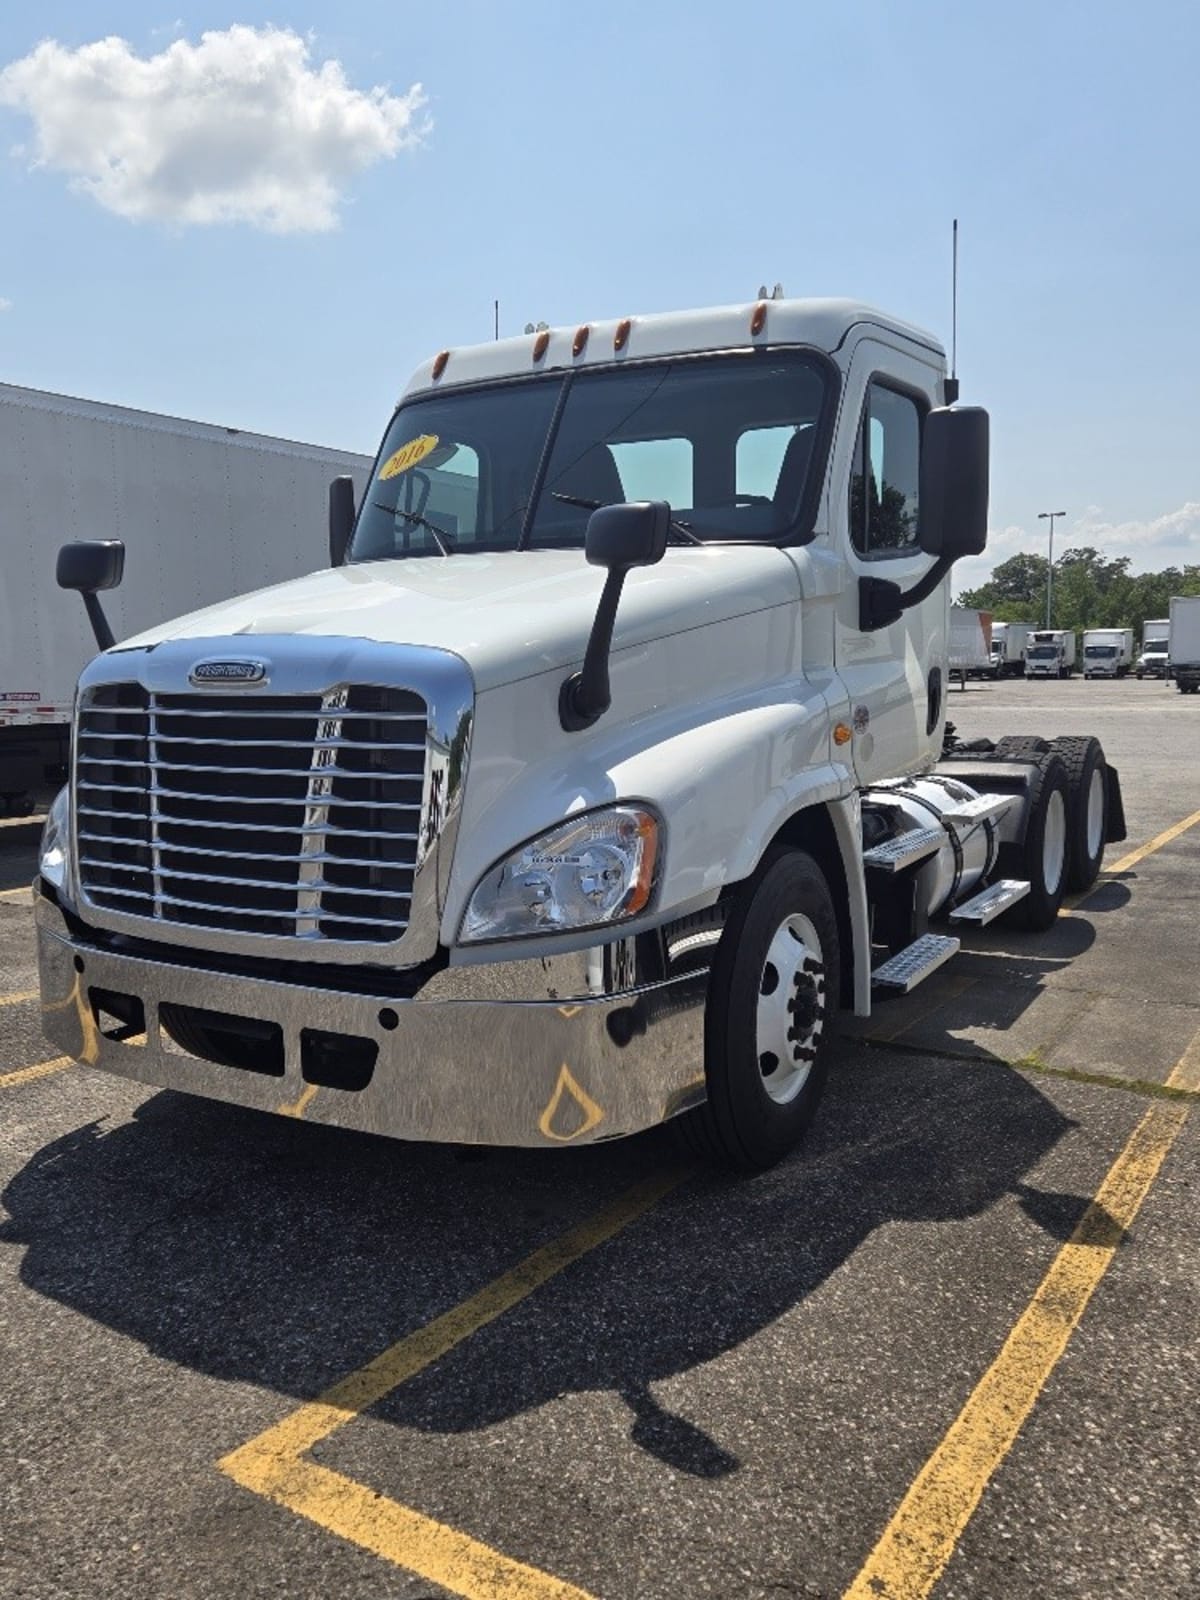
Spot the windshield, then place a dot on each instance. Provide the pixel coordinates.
(1156, 647)
(1042, 652)
(729, 441)
(1101, 652)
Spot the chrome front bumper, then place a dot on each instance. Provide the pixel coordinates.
(473, 1059)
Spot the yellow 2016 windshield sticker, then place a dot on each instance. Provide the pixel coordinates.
(408, 455)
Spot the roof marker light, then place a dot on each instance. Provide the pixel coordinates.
(581, 339)
(621, 337)
(759, 320)
(439, 363)
(541, 344)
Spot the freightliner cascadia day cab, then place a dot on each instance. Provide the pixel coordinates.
(606, 761)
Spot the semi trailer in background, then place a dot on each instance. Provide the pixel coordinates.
(1107, 652)
(206, 512)
(970, 642)
(1185, 642)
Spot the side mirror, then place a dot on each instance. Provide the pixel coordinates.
(618, 537)
(341, 519)
(88, 566)
(954, 483)
(627, 536)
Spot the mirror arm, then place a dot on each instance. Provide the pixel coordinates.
(881, 602)
(585, 696)
(104, 634)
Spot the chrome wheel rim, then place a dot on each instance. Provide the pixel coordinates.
(791, 1008)
(1095, 813)
(1054, 842)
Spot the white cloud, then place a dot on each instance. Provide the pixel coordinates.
(1169, 540)
(237, 128)
(5, 305)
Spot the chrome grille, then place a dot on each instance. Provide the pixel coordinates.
(293, 815)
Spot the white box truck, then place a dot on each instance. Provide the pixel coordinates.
(1009, 643)
(1185, 642)
(1107, 652)
(1050, 653)
(1154, 661)
(206, 512)
(603, 764)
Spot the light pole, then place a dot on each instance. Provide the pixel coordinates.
(1042, 515)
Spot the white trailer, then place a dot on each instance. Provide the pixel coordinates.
(1154, 661)
(1107, 652)
(1009, 643)
(970, 642)
(1050, 653)
(1185, 642)
(206, 512)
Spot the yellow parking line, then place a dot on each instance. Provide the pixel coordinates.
(273, 1464)
(921, 1537)
(42, 1069)
(1074, 902)
(16, 999)
(1134, 856)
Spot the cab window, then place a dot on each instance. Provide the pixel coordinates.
(885, 474)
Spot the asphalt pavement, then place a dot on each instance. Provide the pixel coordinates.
(949, 1347)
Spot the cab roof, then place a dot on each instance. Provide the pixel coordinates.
(820, 324)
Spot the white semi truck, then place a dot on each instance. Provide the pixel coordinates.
(1107, 652)
(1155, 659)
(970, 643)
(1050, 653)
(1185, 642)
(605, 761)
(206, 512)
(1009, 643)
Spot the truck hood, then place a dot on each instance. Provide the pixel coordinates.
(508, 615)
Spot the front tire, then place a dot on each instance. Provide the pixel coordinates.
(776, 977)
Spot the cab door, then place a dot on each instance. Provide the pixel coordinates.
(895, 676)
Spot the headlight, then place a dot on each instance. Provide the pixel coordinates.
(54, 852)
(597, 868)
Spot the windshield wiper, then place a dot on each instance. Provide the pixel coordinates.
(597, 505)
(439, 536)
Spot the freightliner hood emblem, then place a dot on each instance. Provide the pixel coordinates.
(239, 673)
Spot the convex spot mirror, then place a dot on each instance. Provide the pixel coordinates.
(954, 482)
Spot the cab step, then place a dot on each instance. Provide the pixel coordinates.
(985, 809)
(986, 906)
(911, 966)
(893, 855)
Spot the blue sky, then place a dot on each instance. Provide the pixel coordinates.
(578, 160)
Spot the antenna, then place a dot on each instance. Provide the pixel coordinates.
(950, 384)
(496, 307)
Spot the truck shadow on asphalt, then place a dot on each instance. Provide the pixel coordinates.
(248, 1247)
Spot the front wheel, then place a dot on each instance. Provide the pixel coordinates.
(775, 978)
